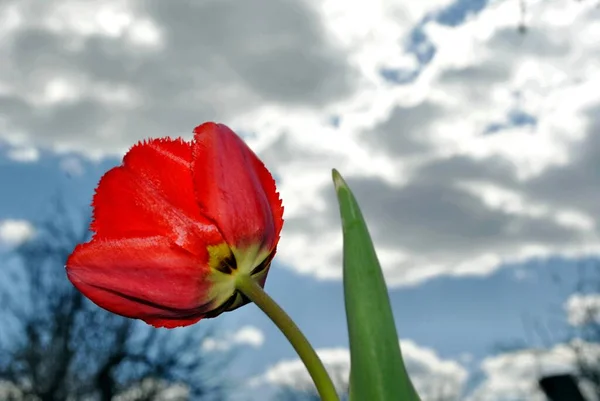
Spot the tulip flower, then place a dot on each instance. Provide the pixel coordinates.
(185, 231)
(174, 226)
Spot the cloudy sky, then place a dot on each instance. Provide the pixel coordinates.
(466, 128)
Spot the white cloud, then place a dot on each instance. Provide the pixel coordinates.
(464, 169)
(13, 232)
(487, 156)
(583, 309)
(25, 155)
(157, 389)
(510, 376)
(513, 376)
(245, 336)
(292, 373)
(432, 376)
(249, 335)
(374, 34)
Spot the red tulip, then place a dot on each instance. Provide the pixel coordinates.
(175, 224)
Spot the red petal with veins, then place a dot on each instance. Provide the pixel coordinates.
(152, 193)
(234, 189)
(146, 278)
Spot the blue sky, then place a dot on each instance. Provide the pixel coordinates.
(469, 144)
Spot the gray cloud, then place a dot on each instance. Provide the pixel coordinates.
(493, 169)
(438, 224)
(441, 221)
(406, 130)
(576, 184)
(536, 42)
(218, 59)
(431, 217)
(277, 48)
(483, 74)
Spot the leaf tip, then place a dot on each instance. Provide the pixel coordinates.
(338, 181)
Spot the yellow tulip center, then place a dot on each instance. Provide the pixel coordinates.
(225, 264)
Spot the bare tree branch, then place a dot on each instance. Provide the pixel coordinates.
(56, 345)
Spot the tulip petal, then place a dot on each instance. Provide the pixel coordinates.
(152, 193)
(268, 184)
(145, 278)
(234, 189)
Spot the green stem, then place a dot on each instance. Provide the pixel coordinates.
(252, 290)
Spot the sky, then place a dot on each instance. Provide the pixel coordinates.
(467, 129)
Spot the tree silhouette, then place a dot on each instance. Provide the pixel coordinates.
(585, 338)
(56, 345)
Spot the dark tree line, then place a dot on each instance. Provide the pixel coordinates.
(56, 345)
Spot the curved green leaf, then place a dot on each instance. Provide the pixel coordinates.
(377, 369)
